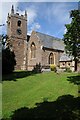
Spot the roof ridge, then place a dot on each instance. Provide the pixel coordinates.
(48, 35)
(50, 41)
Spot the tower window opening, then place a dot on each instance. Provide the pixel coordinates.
(19, 23)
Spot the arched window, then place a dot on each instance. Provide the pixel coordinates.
(19, 23)
(51, 58)
(33, 50)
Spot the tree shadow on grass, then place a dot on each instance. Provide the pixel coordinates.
(15, 75)
(21, 74)
(76, 81)
(66, 107)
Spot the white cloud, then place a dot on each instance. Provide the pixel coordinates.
(4, 10)
(47, 0)
(65, 30)
(9, 0)
(31, 18)
(32, 15)
(59, 13)
(35, 26)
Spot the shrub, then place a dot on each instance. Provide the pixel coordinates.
(37, 68)
(53, 67)
(67, 69)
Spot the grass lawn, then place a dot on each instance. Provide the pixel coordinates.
(27, 90)
(0, 99)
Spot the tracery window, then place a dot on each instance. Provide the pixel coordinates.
(51, 58)
(33, 50)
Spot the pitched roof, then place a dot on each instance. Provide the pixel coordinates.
(50, 41)
(65, 57)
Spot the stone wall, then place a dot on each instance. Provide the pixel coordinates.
(67, 64)
(45, 57)
(33, 61)
(42, 55)
(18, 42)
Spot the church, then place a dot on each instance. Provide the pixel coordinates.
(38, 48)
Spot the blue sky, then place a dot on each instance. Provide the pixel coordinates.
(45, 17)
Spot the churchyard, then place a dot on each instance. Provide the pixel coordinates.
(22, 89)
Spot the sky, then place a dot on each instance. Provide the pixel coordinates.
(45, 17)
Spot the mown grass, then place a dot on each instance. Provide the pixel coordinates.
(35, 88)
(0, 100)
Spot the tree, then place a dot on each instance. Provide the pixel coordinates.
(72, 36)
(8, 56)
(3, 41)
(8, 61)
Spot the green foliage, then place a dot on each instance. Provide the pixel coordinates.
(8, 61)
(37, 68)
(8, 57)
(4, 41)
(68, 69)
(45, 99)
(72, 36)
(53, 67)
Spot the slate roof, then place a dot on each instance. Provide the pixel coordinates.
(65, 57)
(50, 41)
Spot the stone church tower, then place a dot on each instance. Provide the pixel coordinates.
(17, 33)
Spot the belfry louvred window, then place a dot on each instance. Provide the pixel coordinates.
(19, 23)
